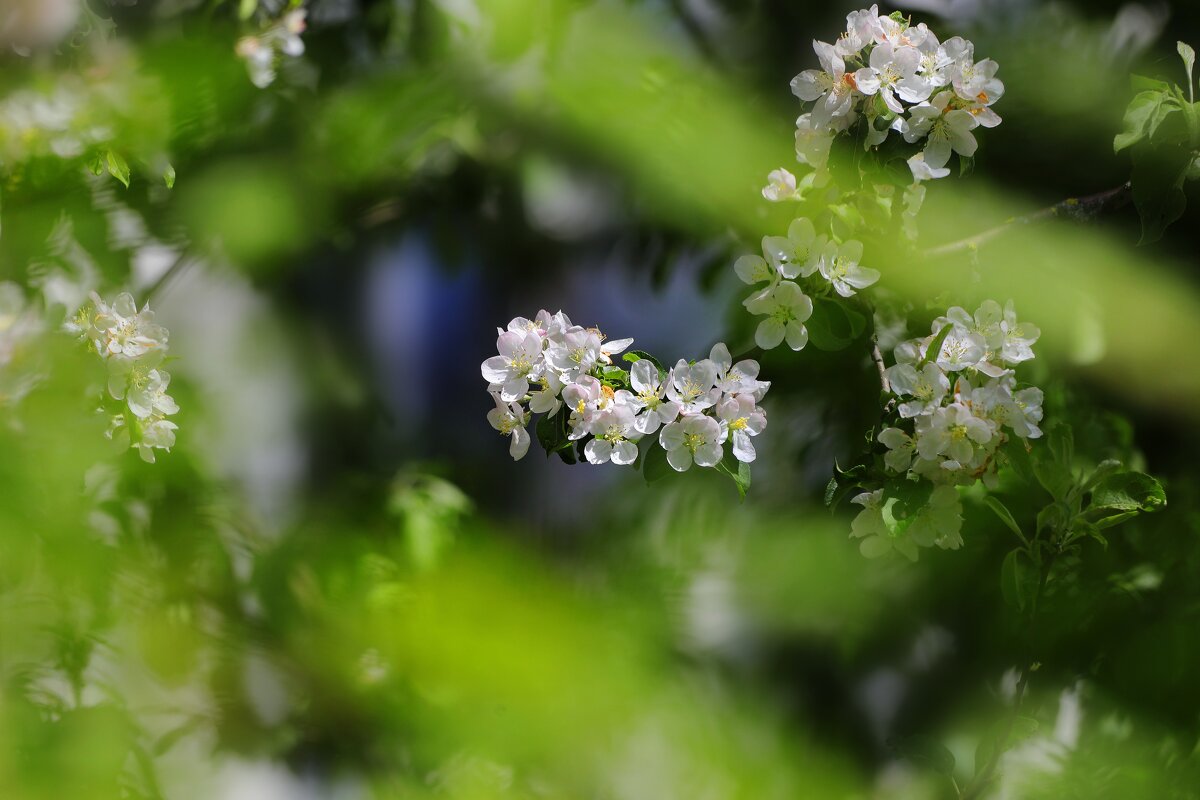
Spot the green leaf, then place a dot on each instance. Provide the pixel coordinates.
(926, 752)
(1052, 518)
(1189, 60)
(1105, 523)
(1144, 114)
(95, 163)
(169, 176)
(1052, 462)
(834, 325)
(615, 375)
(633, 356)
(1128, 491)
(1157, 180)
(1141, 83)
(935, 347)
(246, 9)
(1018, 579)
(547, 433)
(742, 479)
(118, 167)
(1001, 511)
(655, 466)
(1105, 468)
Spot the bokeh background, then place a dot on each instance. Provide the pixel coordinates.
(339, 585)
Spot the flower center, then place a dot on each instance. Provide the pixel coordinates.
(738, 424)
(521, 365)
(693, 440)
(615, 433)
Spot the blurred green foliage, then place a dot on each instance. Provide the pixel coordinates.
(418, 639)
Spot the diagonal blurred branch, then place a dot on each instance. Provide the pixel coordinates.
(697, 33)
(1077, 208)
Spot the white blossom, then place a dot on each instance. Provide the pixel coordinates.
(786, 309)
(510, 420)
(693, 386)
(901, 449)
(839, 265)
(739, 378)
(892, 73)
(614, 435)
(926, 386)
(831, 87)
(122, 330)
(781, 185)
(519, 362)
(694, 439)
(945, 129)
(741, 419)
(650, 397)
(797, 254)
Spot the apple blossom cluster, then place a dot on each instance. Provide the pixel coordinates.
(564, 371)
(956, 401)
(823, 264)
(263, 51)
(133, 347)
(884, 74)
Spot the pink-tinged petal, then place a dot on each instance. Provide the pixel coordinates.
(495, 369)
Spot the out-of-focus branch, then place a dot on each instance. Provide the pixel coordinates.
(1076, 208)
(697, 33)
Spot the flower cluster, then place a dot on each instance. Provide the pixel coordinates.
(133, 347)
(957, 401)
(551, 366)
(262, 51)
(889, 75)
(827, 265)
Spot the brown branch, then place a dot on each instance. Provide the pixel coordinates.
(1080, 209)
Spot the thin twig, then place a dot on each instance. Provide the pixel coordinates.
(172, 271)
(1076, 208)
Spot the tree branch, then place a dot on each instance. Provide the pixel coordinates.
(877, 357)
(1080, 209)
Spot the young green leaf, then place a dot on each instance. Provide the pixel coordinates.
(1001, 511)
(1189, 61)
(169, 176)
(1018, 579)
(118, 167)
(1145, 113)
(935, 347)
(1128, 491)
